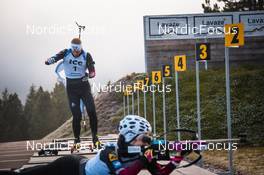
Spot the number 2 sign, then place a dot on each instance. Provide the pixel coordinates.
(234, 35)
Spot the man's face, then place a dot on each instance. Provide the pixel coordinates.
(76, 49)
(76, 53)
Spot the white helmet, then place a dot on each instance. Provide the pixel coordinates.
(133, 125)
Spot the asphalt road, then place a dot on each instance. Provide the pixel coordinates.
(15, 155)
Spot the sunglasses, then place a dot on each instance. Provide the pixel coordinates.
(146, 138)
(76, 47)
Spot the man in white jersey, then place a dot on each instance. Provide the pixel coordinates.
(75, 62)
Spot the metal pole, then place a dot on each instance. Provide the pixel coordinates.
(154, 113)
(164, 110)
(177, 104)
(124, 104)
(138, 100)
(198, 104)
(198, 99)
(228, 105)
(133, 103)
(145, 105)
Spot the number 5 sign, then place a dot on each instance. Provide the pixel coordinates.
(180, 63)
(167, 71)
(234, 35)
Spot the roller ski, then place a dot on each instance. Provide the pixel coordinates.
(49, 152)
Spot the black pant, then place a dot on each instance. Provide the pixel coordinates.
(67, 165)
(77, 90)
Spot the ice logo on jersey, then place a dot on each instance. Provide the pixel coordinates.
(75, 62)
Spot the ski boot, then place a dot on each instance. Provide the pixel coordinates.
(76, 146)
(96, 143)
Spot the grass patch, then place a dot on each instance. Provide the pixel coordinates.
(247, 160)
(247, 102)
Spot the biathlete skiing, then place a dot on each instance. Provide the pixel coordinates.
(122, 158)
(75, 62)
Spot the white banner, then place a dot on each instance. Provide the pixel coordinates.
(164, 26)
(208, 25)
(254, 23)
(211, 25)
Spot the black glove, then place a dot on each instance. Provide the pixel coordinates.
(46, 62)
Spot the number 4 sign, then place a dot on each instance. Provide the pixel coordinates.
(180, 63)
(234, 35)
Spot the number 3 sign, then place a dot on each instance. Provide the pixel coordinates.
(202, 51)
